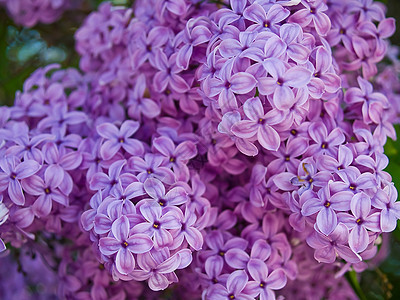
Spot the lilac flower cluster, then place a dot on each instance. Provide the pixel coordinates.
(30, 12)
(232, 147)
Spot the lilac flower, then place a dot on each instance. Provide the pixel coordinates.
(188, 232)
(378, 164)
(343, 161)
(56, 173)
(242, 47)
(218, 247)
(390, 209)
(386, 28)
(138, 104)
(286, 156)
(115, 139)
(91, 158)
(264, 283)
(234, 289)
(265, 20)
(354, 181)
(325, 143)
(177, 7)
(296, 219)
(168, 75)
(365, 60)
(307, 177)
(156, 190)
(360, 221)
(290, 34)
(214, 267)
(227, 85)
(2, 246)
(106, 215)
(281, 82)
(13, 171)
(343, 29)
(151, 167)
(324, 79)
(370, 144)
(158, 267)
(367, 10)
(227, 16)
(259, 124)
(29, 14)
(124, 245)
(326, 206)
(197, 203)
(158, 223)
(225, 126)
(145, 45)
(373, 103)
(194, 34)
(257, 185)
(101, 181)
(270, 232)
(88, 216)
(239, 259)
(327, 247)
(122, 198)
(46, 192)
(27, 147)
(59, 118)
(178, 156)
(313, 13)
(4, 212)
(22, 217)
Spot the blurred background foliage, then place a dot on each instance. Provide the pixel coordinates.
(23, 50)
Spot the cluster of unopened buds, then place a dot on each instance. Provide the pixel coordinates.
(229, 150)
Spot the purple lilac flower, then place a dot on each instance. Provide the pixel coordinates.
(168, 74)
(115, 139)
(56, 173)
(146, 45)
(59, 118)
(372, 103)
(281, 82)
(259, 124)
(151, 167)
(158, 267)
(264, 283)
(313, 13)
(234, 287)
(327, 247)
(13, 170)
(178, 156)
(156, 190)
(326, 206)
(386, 201)
(46, 191)
(360, 220)
(158, 223)
(226, 85)
(270, 20)
(138, 104)
(188, 232)
(124, 245)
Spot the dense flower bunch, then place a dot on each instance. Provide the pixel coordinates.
(233, 147)
(30, 12)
